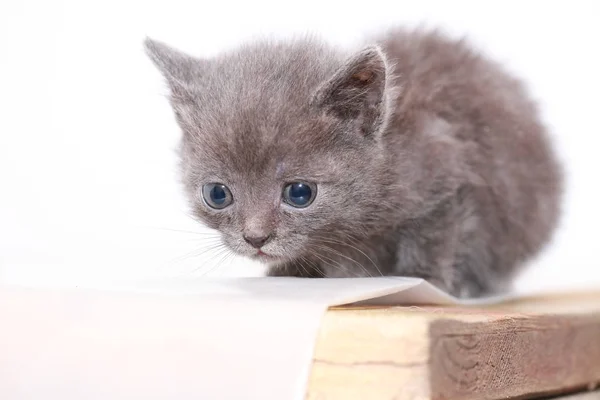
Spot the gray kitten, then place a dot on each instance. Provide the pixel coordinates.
(414, 156)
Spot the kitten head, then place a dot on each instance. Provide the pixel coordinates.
(281, 143)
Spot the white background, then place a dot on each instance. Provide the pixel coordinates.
(88, 184)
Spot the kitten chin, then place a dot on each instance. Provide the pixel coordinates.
(415, 155)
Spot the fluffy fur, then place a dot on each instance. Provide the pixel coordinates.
(429, 159)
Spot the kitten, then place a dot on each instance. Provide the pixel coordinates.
(414, 156)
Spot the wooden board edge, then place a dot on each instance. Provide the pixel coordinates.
(514, 358)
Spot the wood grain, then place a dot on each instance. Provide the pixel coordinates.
(519, 350)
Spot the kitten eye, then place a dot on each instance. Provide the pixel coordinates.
(217, 195)
(299, 194)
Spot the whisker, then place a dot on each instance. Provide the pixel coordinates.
(221, 263)
(314, 267)
(196, 252)
(214, 248)
(222, 260)
(220, 254)
(334, 263)
(305, 269)
(339, 254)
(215, 234)
(342, 243)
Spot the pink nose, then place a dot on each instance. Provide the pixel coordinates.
(257, 241)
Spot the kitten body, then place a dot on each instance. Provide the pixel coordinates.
(427, 159)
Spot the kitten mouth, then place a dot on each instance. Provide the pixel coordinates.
(261, 255)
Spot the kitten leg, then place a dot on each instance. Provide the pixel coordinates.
(475, 271)
(450, 248)
(455, 275)
(482, 266)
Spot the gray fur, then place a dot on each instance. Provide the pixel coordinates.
(430, 160)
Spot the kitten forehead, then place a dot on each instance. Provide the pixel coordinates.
(252, 108)
(279, 169)
(245, 100)
(267, 74)
(254, 161)
(307, 61)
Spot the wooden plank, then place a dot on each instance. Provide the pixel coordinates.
(525, 349)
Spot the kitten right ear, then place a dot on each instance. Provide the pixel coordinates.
(178, 68)
(358, 91)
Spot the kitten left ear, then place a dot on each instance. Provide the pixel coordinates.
(357, 91)
(179, 69)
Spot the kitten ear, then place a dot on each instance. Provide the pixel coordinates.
(357, 91)
(179, 69)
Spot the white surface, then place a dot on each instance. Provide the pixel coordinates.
(87, 167)
(249, 338)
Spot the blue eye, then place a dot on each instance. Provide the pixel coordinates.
(216, 195)
(299, 194)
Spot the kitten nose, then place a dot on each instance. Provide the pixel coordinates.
(257, 241)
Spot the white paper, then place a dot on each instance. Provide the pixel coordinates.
(242, 338)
